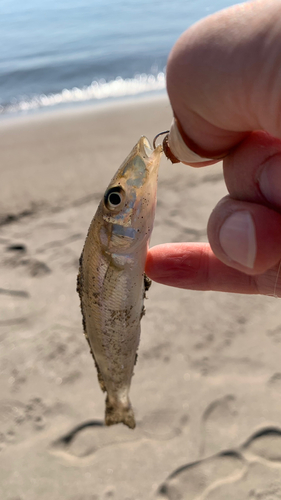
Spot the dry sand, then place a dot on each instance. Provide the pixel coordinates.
(207, 385)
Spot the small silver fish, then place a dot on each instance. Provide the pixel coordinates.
(111, 281)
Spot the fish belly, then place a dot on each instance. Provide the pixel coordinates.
(112, 304)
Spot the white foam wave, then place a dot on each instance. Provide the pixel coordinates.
(96, 91)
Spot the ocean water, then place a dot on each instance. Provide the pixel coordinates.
(65, 51)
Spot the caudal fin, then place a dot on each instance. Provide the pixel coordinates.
(116, 412)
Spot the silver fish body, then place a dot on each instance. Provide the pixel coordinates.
(111, 281)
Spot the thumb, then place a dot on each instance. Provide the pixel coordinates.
(224, 76)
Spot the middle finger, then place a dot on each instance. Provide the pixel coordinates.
(252, 170)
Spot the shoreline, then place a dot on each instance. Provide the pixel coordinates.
(81, 107)
(53, 158)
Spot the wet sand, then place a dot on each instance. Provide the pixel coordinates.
(207, 386)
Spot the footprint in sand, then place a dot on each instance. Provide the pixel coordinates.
(252, 472)
(265, 444)
(18, 420)
(89, 437)
(192, 481)
(219, 425)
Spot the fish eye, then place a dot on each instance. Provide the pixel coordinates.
(114, 197)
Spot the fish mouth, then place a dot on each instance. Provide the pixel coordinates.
(144, 147)
(146, 151)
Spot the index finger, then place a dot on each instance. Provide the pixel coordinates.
(224, 78)
(194, 266)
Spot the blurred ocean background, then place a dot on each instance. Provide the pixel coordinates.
(59, 52)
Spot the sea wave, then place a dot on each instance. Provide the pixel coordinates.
(98, 90)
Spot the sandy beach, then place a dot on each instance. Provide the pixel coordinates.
(207, 386)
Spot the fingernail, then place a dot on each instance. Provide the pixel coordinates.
(180, 149)
(238, 238)
(270, 180)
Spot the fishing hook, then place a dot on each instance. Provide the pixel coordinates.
(156, 137)
(166, 147)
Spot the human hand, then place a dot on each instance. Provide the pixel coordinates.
(224, 85)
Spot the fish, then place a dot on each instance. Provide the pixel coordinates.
(111, 282)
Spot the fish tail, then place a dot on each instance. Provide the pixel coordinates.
(117, 412)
